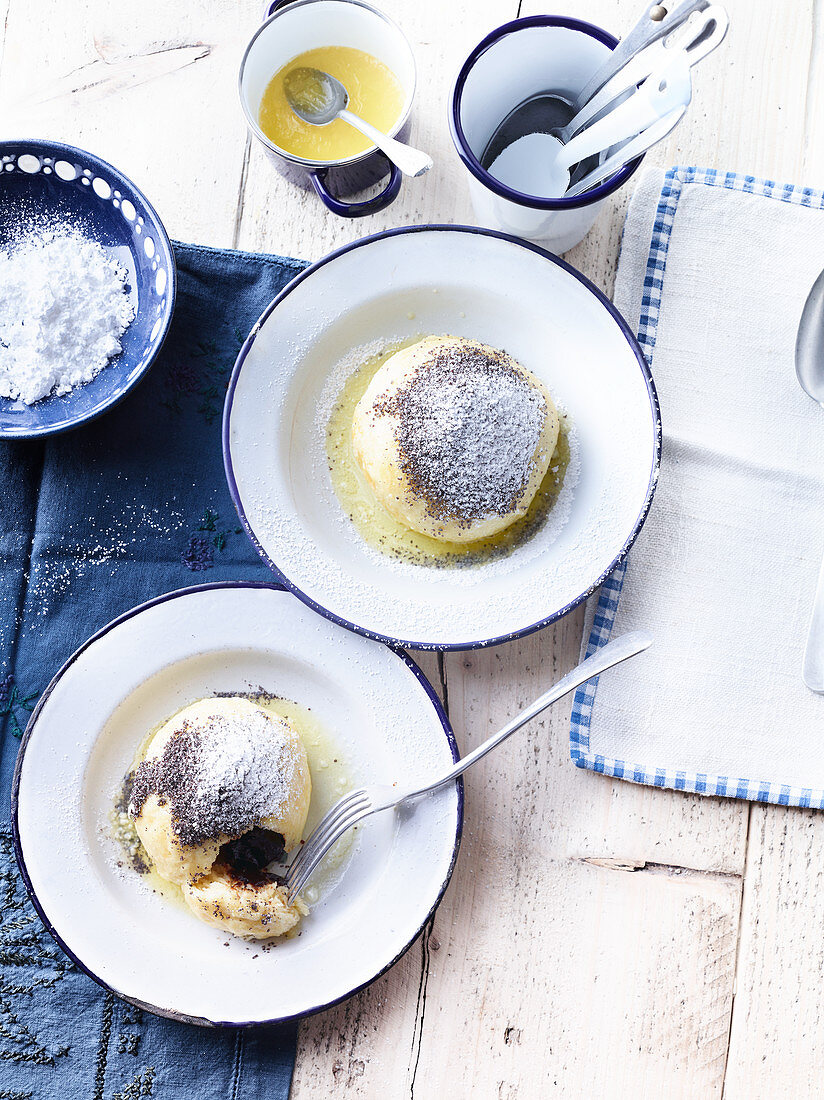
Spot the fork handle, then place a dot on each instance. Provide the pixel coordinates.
(620, 649)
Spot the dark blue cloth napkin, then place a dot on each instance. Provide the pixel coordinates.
(92, 523)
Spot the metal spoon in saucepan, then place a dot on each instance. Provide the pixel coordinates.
(809, 366)
(318, 98)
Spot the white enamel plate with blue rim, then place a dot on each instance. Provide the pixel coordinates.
(436, 280)
(370, 700)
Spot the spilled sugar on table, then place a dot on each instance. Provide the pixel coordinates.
(643, 942)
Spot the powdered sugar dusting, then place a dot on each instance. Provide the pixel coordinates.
(463, 578)
(467, 424)
(221, 777)
(343, 368)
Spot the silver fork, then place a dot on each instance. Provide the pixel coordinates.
(357, 805)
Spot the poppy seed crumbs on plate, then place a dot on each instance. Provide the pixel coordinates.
(220, 778)
(468, 425)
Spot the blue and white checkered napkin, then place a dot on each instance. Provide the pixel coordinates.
(714, 271)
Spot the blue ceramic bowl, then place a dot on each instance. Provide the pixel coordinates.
(47, 181)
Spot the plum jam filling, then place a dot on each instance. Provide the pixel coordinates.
(247, 858)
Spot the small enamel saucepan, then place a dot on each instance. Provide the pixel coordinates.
(295, 26)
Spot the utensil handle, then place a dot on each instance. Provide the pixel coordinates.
(657, 96)
(645, 31)
(813, 668)
(412, 162)
(270, 9)
(356, 209)
(631, 149)
(697, 36)
(620, 649)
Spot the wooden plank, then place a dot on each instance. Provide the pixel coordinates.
(777, 1033)
(154, 95)
(595, 918)
(813, 161)
(4, 16)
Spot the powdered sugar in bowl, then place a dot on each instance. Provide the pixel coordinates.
(88, 256)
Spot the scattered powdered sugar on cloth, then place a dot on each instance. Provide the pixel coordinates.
(63, 309)
(96, 547)
(93, 548)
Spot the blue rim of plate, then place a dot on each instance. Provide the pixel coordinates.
(481, 643)
(594, 194)
(42, 146)
(50, 928)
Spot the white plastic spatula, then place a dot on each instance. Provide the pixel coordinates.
(539, 164)
(626, 152)
(698, 37)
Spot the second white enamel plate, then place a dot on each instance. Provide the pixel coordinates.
(371, 702)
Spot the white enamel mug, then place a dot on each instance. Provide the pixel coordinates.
(521, 59)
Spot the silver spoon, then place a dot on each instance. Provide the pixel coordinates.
(698, 36)
(318, 98)
(809, 367)
(657, 21)
(629, 150)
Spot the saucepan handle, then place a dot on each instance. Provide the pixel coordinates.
(357, 209)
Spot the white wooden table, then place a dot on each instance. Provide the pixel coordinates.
(644, 943)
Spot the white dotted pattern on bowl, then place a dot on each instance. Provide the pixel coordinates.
(106, 192)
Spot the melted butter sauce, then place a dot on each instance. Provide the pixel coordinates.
(331, 779)
(375, 93)
(385, 533)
